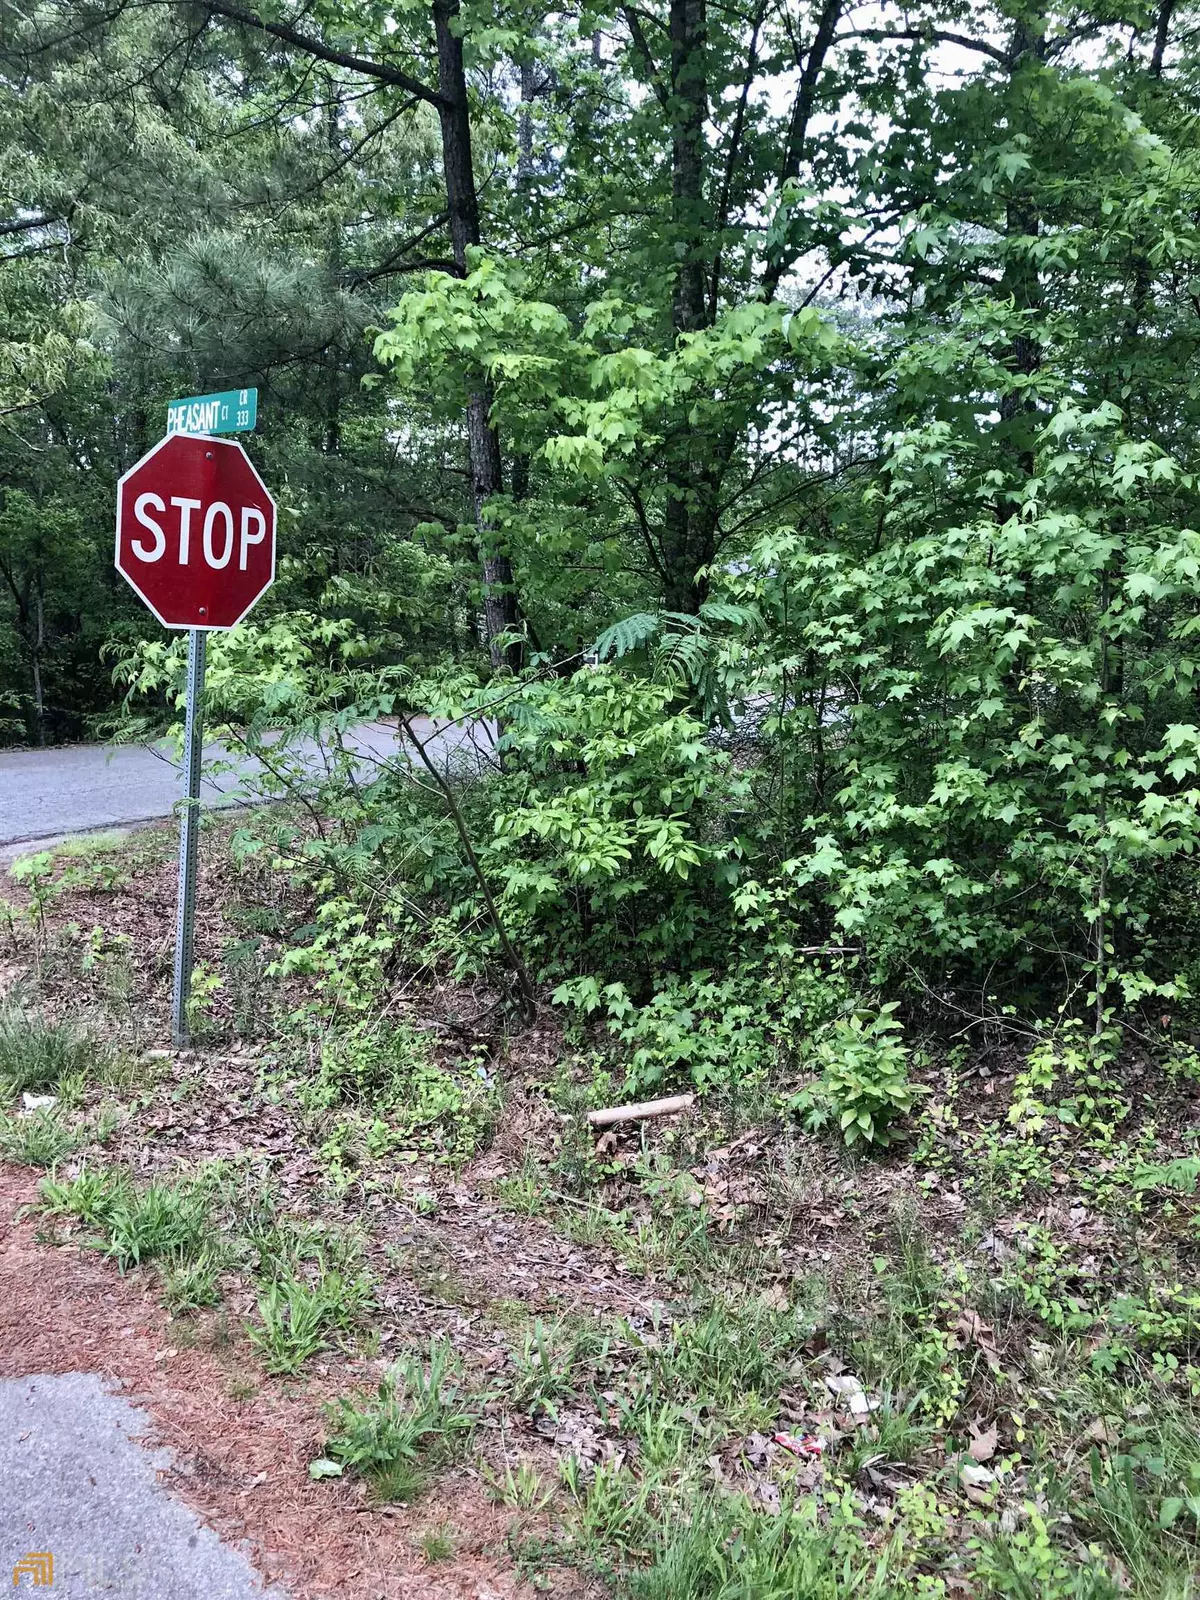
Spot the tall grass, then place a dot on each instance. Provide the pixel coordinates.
(36, 1054)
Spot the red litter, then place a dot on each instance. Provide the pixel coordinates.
(805, 1444)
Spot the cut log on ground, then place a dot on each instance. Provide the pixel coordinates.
(647, 1108)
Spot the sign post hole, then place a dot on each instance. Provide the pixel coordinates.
(189, 836)
(196, 542)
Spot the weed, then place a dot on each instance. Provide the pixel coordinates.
(864, 1083)
(90, 1196)
(108, 964)
(36, 1053)
(547, 1367)
(36, 872)
(1026, 1565)
(418, 1418)
(298, 1317)
(161, 1220)
(520, 1490)
(245, 964)
(436, 1545)
(413, 1102)
(40, 1138)
(191, 1285)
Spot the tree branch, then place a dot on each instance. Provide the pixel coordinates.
(929, 36)
(634, 25)
(381, 70)
(27, 226)
(802, 109)
(735, 150)
(394, 261)
(515, 965)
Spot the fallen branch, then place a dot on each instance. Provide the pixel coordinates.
(647, 1108)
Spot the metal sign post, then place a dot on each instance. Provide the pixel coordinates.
(189, 836)
(196, 542)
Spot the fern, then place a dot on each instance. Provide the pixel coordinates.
(1181, 1175)
(726, 611)
(628, 634)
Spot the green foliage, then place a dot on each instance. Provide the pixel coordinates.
(160, 1221)
(298, 1317)
(864, 1083)
(730, 1550)
(36, 1054)
(403, 1098)
(417, 1419)
(1027, 1565)
(191, 1283)
(40, 1138)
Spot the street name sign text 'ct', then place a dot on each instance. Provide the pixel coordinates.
(231, 411)
(196, 532)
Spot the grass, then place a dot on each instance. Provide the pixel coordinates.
(419, 1418)
(36, 1054)
(158, 1221)
(313, 1285)
(551, 1362)
(436, 1545)
(192, 1283)
(299, 1318)
(40, 1138)
(521, 1488)
(729, 1550)
(700, 1449)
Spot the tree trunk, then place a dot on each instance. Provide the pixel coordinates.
(519, 467)
(1022, 284)
(39, 644)
(689, 103)
(688, 530)
(331, 359)
(501, 612)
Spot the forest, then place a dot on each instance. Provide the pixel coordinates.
(773, 425)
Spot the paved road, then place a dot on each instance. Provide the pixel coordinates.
(47, 794)
(78, 1490)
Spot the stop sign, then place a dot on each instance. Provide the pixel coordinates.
(196, 532)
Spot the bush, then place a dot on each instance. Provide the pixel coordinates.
(864, 1079)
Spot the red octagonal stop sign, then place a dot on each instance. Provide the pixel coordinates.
(196, 532)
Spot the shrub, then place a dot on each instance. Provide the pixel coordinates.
(864, 1078)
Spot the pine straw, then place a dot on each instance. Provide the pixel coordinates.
(241, 1464)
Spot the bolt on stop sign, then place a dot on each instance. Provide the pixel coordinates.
(196, 532)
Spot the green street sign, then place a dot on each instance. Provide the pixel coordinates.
(234, 411)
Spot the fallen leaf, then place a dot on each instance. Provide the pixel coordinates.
(983, 1444)
(1101, 1432)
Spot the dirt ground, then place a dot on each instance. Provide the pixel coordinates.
(241, 1463)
